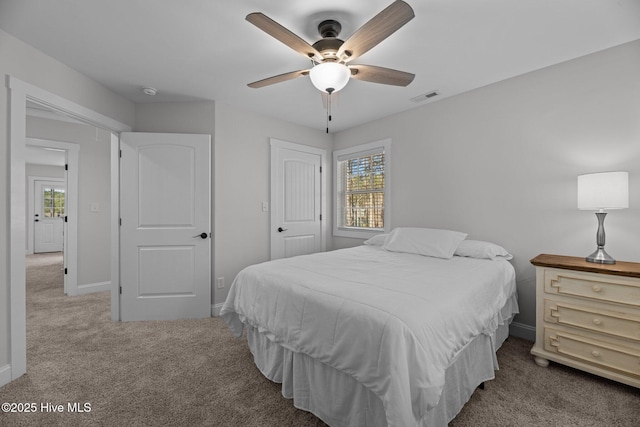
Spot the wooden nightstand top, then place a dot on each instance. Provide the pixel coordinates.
(620, 268)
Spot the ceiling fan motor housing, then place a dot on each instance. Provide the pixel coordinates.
(329, 44)
(328, 48)
(329, 28)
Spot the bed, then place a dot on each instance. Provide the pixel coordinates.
(397, 332)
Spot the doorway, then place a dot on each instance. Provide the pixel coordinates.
(22, 93)
(48, 198)
(47, 153)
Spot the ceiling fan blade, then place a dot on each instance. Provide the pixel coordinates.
(279, 32)
(375, 30)
(278, 79)
(386, 76)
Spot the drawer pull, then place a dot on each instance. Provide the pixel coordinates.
(596, 288)
(597, 321)
(595, 353)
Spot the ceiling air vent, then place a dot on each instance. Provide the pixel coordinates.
(425, 96)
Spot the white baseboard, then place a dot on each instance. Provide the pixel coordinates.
(94, 287)
(5, 375)
(215, 309)
(521, 330)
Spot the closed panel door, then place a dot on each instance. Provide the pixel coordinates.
(48, 217)
(296, 201)
(165, 232)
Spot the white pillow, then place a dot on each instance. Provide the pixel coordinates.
(377, 240)
(479, 249)
(424, 241)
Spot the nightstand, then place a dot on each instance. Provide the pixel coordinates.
(588, 316)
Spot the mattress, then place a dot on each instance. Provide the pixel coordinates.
(393, 322)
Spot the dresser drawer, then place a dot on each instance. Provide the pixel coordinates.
(596, 287)
(594, 352)
(611, 323)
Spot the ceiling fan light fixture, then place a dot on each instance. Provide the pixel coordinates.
(330, 77)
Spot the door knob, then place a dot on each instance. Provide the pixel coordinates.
(280, 229)
(202, 235)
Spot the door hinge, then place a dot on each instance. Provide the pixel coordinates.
(66, 167)
(320, 217)
(120, 290)
(120, 222)
(320, 169)
(66, 219)
(65, 270)
(120, 153)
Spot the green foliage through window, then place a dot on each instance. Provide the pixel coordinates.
(362, 191)
(53, 203)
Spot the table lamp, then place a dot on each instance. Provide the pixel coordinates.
(600, 192)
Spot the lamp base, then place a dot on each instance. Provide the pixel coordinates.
(600, 256)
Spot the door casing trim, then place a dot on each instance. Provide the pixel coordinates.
(19, 93)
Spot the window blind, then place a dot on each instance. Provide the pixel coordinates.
(360, 188)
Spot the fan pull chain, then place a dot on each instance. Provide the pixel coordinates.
(328, 111)
(329, 91)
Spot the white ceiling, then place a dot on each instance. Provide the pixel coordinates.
(204, 49)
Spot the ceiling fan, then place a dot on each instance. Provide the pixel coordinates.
(331, 57)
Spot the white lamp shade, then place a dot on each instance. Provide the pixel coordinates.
(606, 190)
(330, 76)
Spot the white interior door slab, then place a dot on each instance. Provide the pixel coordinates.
(48, 216)
(165, 246)
(296, 199)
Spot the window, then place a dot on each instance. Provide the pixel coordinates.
(361, 189)
(53, 202)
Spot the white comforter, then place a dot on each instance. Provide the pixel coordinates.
(393, 321)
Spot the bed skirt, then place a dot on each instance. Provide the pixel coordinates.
(340, 401)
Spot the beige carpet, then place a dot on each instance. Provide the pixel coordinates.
(193, 373)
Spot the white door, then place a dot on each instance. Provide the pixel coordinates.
(48, 216)
(165, 242)
(296, 199)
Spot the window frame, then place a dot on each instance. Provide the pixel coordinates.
(52, 205)
(354, 152)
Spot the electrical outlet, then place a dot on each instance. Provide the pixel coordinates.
(220, 282)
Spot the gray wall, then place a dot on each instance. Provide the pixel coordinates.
(242, 176)
(240, 228)
(32, 66)
(43, 170)
(501, 162)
